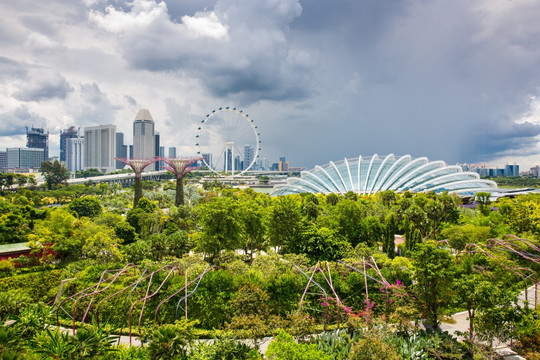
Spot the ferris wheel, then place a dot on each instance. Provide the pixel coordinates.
(228, 141)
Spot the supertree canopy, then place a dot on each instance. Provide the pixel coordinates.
(138, 165)
(369, 175)
(180, 166)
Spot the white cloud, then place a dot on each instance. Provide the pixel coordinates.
(143, 13)
(205, 25)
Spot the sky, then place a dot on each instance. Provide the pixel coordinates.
(457, 80)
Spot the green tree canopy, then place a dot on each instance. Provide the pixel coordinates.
(55, 173)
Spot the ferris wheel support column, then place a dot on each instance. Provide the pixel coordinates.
(233, 160)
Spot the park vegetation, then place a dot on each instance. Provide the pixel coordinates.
(257, 254)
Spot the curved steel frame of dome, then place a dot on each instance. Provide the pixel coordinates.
(369, 175)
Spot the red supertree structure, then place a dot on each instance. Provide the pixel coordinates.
(138, 165)
(180, 166)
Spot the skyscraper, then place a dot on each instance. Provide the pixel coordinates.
(3, 160)
(227, 160)
(37, 138)
(66, 134)
(160, 163)
(157, 147)
(144, 136)
(208, 159)
(100, 148)
(249, 155)
(121, 150)
(75, 154)
(172, 152)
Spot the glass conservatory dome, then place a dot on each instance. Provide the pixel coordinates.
(369, 175)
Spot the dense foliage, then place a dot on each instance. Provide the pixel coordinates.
(264, 250)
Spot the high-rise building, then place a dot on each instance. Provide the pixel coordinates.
(283, 164)
(100, 148)
(37, 138)
(121, 150)
(69, 133)
(75, 154)
(511, 170)
(227, 160)
(208, 159)
(157, 164)
(249, 155)
(24, 158)
(144, 138)
(160, 163)
(237, 163)
(3, 160)
(172, 152)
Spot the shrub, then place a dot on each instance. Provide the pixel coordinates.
(283, 347)
(170, 341)
(12, 302)
(224, 349)
(372, 348)
(6, 267)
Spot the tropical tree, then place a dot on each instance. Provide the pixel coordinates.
(253, 217)
(221, 228)
(55, 173)
(86, 206)
(434, 271)
(286, 221)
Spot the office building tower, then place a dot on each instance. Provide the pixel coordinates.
(208, 159)
(237, 163)
(511, 170)
(161, 154)
(121, 150)
(283, 164)
(75, 154)
(144, 138)
(157, 164)
(24, 158)
(3, 160)
(100, 148)
(249, 155)
(130, 147)
(172, 152)
(69, 133)
(227, 160)
(37, 138)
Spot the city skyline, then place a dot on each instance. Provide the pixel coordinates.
(456, 81)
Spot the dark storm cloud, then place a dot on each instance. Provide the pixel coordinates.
(451, 80)
(442, 79)
(43, 85)
(14, 122)
(512, 139)
(238, 48)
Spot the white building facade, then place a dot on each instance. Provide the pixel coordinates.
(75, 154)
(100, 148)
